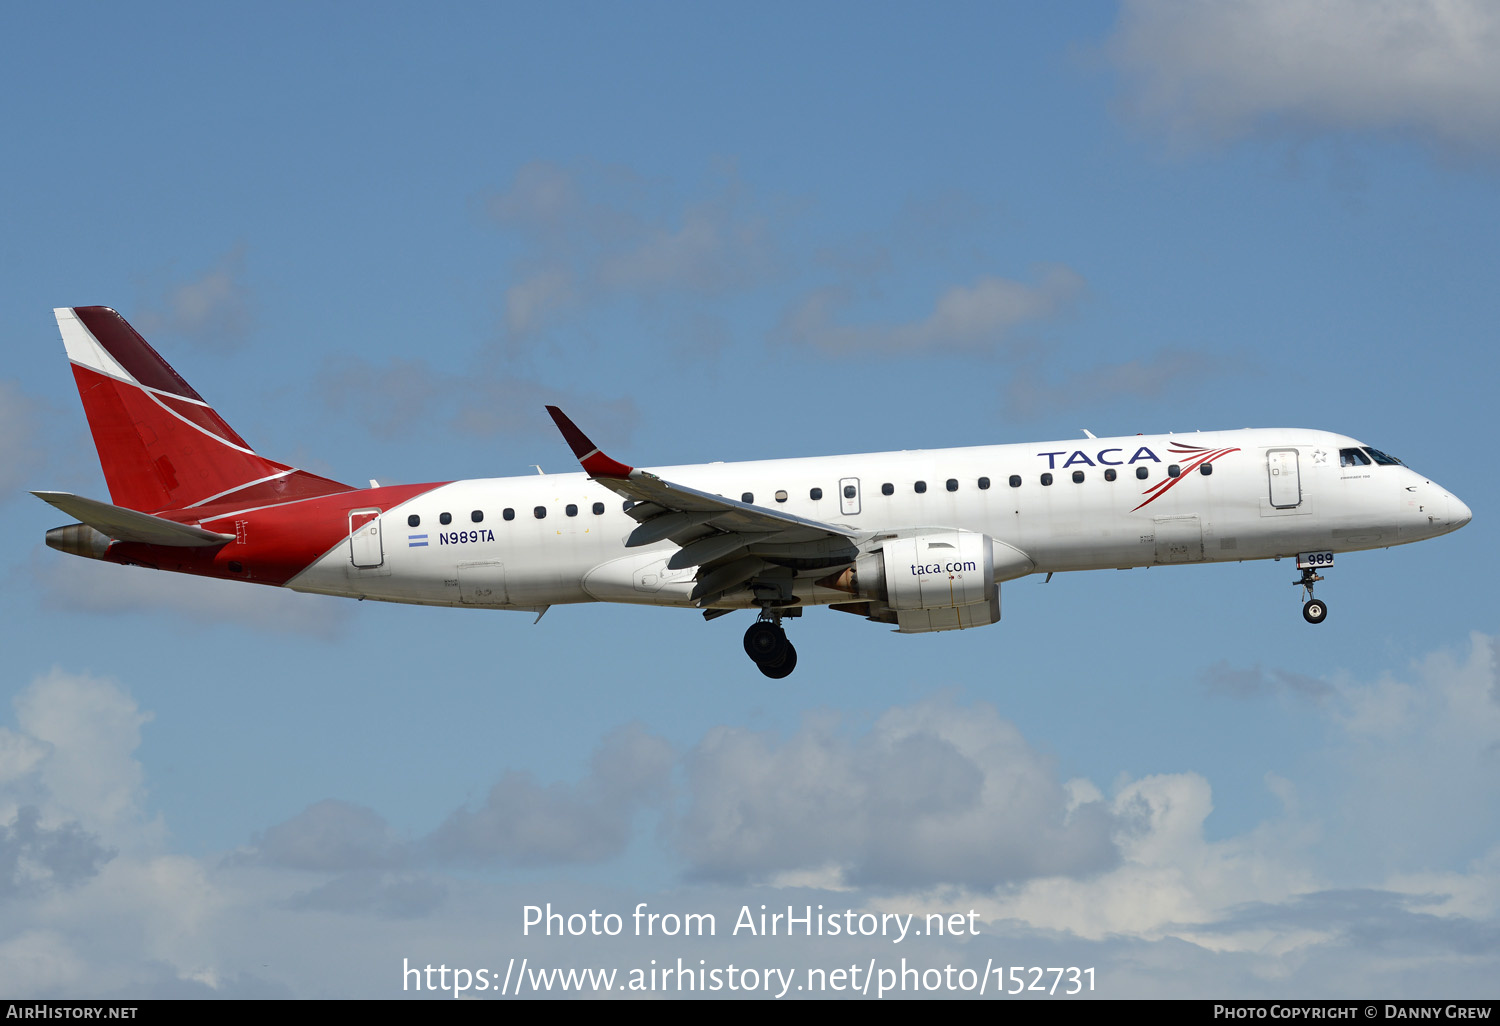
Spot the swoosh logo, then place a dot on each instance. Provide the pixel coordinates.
(1195, 457)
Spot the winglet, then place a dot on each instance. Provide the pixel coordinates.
(594, 462)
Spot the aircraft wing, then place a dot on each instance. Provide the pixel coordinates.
(733, 544)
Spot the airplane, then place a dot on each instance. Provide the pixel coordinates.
(921, 540)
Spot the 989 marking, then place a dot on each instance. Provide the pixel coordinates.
(1314, 560)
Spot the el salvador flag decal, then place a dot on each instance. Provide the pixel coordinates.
(416, 541)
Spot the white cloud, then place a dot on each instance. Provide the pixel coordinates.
(81, 732)
(1225, 680)
(933, 795)
(710, 250)
(1223, 70)
(591, 236)
(212, 311)
(1416, 761)
(1170, 879)
(388, 895)
(523, 823)
(536, 299)
(1029, 392)
(981, 316)
(332, 835)
(941, 799)
(402, 395)
(1406, 785)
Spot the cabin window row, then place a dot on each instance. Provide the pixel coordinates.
(920, 487)
(1015, 481)
(952, 483)
(1110, 474)
(508, 513)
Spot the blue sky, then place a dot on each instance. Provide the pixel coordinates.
(379, 240)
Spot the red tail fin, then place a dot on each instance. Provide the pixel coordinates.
(161, 446)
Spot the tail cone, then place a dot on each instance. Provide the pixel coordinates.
(79, 540)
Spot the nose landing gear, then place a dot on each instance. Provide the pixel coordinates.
(1313, 610)
(767, 646)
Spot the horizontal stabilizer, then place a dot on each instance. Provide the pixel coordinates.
(127, 525)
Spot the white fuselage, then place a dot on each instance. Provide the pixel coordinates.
(1269, 493)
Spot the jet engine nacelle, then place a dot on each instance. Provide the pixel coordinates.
(937, 581)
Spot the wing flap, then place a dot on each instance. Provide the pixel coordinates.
(711, 549)
(665, 526)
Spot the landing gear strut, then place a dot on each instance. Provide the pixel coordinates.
(1313, 610)
(767, 646)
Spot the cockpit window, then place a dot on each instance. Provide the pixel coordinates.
(1383, 459)
(1353, 458)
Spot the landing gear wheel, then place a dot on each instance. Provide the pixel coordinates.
(784, 668)
(1313, 610)
(765, 643)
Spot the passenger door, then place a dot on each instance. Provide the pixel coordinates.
(1285, 478)
(365, 549)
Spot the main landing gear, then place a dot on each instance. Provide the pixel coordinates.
(767, 646)
(1313, 610)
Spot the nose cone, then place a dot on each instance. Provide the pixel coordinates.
(1458, 513)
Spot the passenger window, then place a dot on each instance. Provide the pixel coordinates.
(1046, 479)
(1015, 480)
(508, 514)
(1078, 477)
(984, 483)
(887, 489)
(1206, 469)
(747, 497)
(541, 512)
(477, 516)
(1142, 473)
(1174, 470)
(1110, 475)
(952, 484)
(920, 486)
(598, 509)
(815, 494)
(781, 495)
(413, 521)
(445, 519)
(571, 510)
(848, 491)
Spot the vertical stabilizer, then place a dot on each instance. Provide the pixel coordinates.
(160, 445)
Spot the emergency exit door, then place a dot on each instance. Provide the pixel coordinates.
(849, 496)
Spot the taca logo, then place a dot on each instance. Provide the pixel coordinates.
(1193, 457)
(1081, 458)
